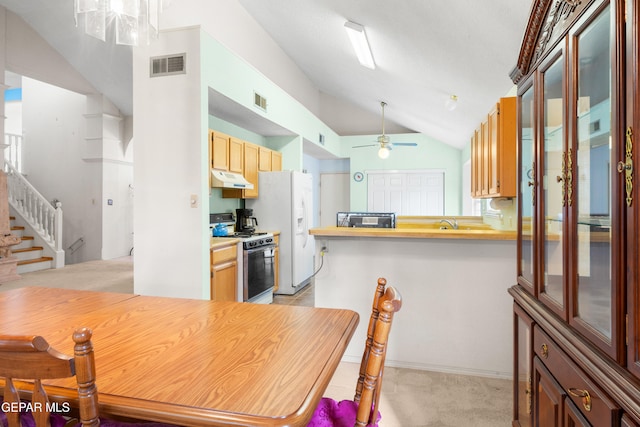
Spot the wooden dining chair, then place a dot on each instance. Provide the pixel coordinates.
(31, 359)
(363, 409)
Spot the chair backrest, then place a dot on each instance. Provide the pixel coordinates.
(386, 302)
(32, 358)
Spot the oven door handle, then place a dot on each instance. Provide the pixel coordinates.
(260, 249)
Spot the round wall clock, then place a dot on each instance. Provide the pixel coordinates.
(358, 176)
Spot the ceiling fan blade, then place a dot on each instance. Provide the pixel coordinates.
(407, 144)
(368, 145)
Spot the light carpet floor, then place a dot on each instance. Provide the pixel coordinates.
(410, 398)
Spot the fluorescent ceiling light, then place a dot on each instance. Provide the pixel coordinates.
(360, 44)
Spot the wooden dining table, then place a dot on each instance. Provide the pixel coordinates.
(186, 361)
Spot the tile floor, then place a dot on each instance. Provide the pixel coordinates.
(410, 398)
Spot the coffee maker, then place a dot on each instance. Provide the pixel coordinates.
(246, 223)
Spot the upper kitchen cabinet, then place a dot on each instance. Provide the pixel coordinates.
(577, 274)
(276, 161)
(264, 159)
(219, 150)
(493, 152)
(236, 155)
(231, 154)
(250, 156)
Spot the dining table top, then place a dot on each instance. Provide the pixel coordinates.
(186, 361)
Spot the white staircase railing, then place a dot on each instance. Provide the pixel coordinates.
(13, 150)
(45, 219)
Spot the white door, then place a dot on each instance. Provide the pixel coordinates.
(406, 193)
(334, 197)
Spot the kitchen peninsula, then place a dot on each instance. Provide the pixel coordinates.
(456, 314)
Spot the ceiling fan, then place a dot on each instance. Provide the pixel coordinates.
(384, 142)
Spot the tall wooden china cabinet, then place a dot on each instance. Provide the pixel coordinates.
(577, 297)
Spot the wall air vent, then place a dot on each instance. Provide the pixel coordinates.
(594, 126)
(168, 65)
(321, 139)
(260, 101)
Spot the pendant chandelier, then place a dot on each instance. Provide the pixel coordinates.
(134, 22)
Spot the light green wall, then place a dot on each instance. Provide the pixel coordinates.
(429, 154)
(234, 78)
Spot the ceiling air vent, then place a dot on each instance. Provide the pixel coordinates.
(260, 101)
(168, 65)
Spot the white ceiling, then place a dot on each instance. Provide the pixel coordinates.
(425, 51)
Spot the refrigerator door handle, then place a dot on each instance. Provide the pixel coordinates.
(305, 225)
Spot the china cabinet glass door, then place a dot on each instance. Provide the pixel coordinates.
(554, 184)
(527, 187)
(593, 293)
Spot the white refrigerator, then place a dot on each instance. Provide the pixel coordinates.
(284, 204)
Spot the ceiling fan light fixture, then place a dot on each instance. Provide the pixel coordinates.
(384, 152)
(451, 103)
(360, 44)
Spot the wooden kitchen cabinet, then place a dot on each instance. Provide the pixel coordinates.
(276, 161)
(493, 152)
(476, 165)
(501, 149)
(219, 150)
(578, 246)
(231, 154)
(224, 273)
(264, 159)
(250, 172)
(236, 155)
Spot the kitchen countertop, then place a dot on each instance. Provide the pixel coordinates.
(416, 233)
(218, 242)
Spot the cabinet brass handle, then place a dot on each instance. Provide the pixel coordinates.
(563, 179)
(627, 166)
(584, 394)
(544, 351)
(569, 177)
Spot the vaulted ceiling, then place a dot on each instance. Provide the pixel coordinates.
(425, 51)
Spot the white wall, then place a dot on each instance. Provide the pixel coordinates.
(233, 27)
(53, 162)
(171, 154)
(456, 313)
(61, 163)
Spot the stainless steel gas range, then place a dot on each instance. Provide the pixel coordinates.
(256, 278)
(256, 262)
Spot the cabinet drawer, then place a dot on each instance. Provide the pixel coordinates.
(227, 253)
(592, 402)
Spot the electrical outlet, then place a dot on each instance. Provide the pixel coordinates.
(324, 250)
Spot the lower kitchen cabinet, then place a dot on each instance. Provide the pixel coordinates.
(224, 273)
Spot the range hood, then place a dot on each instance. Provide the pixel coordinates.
(222, 179)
